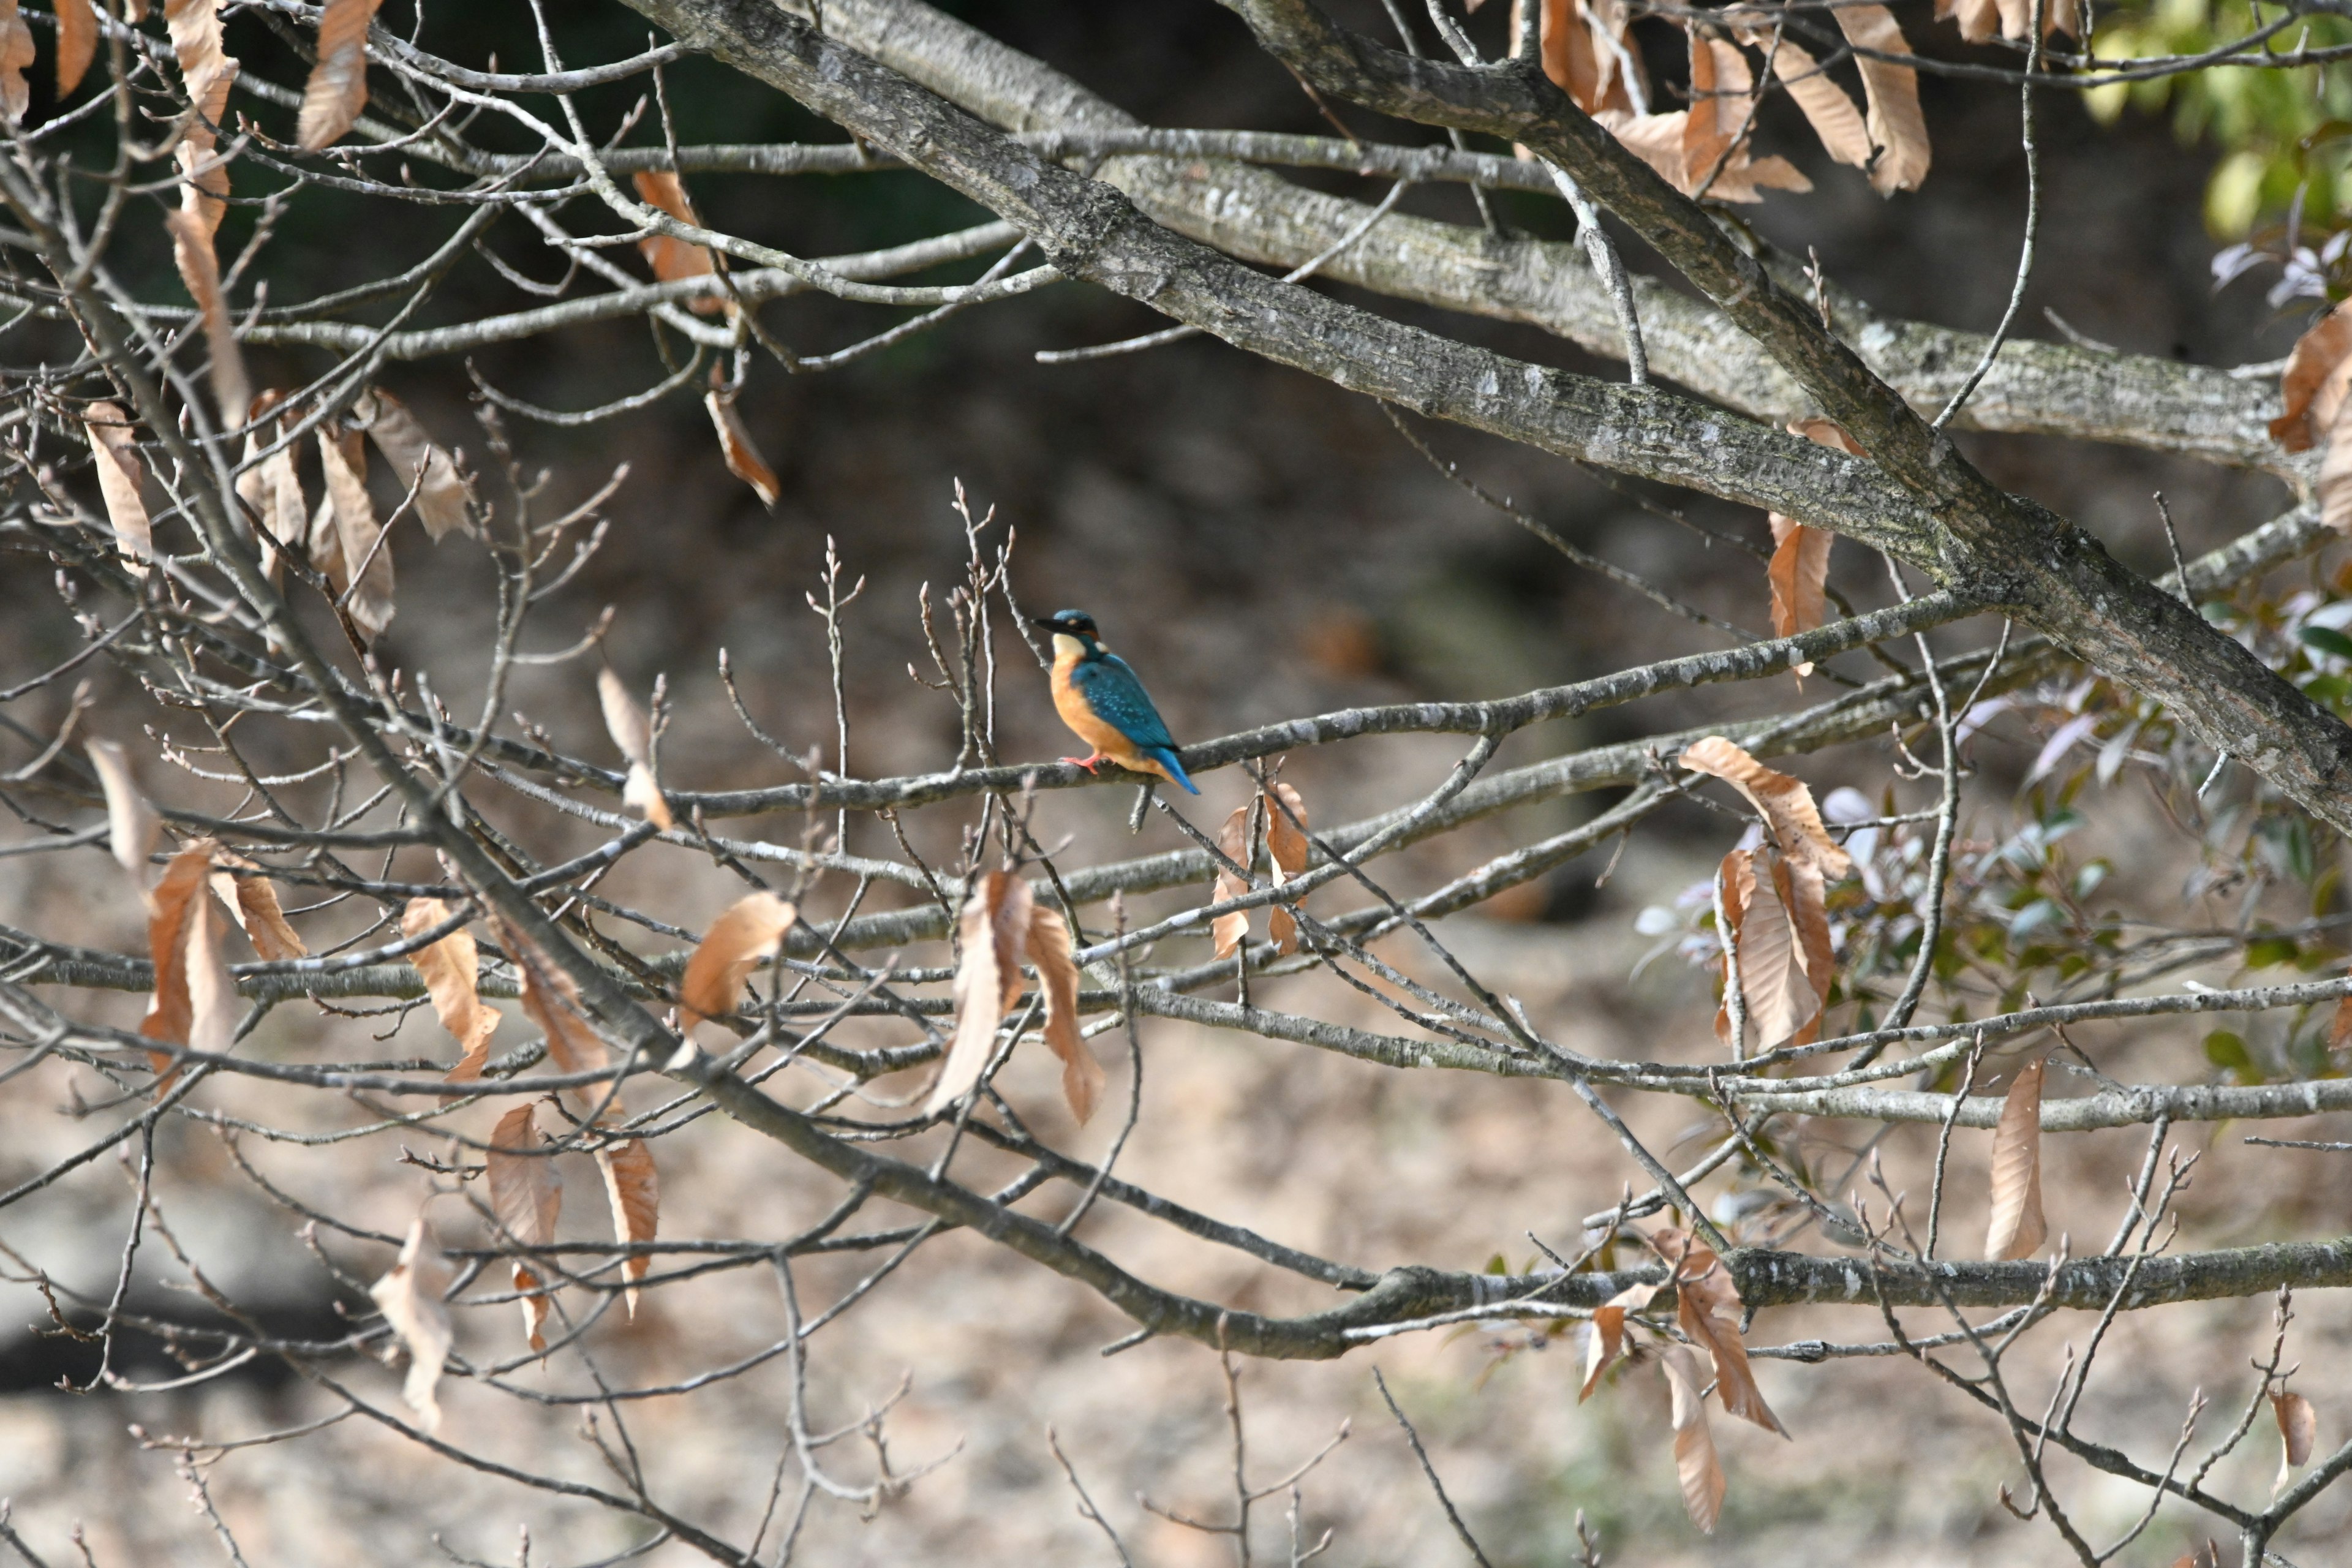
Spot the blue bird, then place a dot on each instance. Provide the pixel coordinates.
(1103, 703)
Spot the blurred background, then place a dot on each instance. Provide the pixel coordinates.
(1261, 546)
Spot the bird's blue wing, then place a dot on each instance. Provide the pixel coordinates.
(1118, 696)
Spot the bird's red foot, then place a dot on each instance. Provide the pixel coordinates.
(1092, 764)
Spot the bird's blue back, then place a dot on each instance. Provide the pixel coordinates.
(1115, 694)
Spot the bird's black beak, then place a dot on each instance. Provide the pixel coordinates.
(1042, 621)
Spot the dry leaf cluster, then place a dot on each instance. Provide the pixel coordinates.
(1001, 927)
(1277, 818)
(1773, 900)
(1707, 1312)
(1588, 52)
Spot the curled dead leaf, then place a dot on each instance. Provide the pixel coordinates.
(672, 259)
(1708, 1308)
(1286, 848)
(739, 941)
(2318, 372)
(195, 1002)
(633, 733)
(359, 567)
(1696, 1465)
(2298, 1425)
(444, 498)
(1585, 54)
(132, 825)
(1785, 804)
(527, 1198)
(2333, 487)
(993, 932)
(1896, 126)
(251, 900)
(16, 57)
(1762, 902)
(1057, 977)
(1228, 931)
(450, 968)
(337, 91)
(116, 457)
(2017, 1228)
(1607, 1336)
(1799, 574)
(192, 249)
(409, 1297)
(552, 1001)
(1827, 108)
(77, 42)
(269, 487)
(634, 1190)
(736, 445)
(2339, 1026)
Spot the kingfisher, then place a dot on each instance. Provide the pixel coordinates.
(1102, 700)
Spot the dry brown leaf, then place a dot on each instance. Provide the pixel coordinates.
(1772, 981)
(1695, 1466)
(444, 498)
(1708, 1308)
(1584, 53)
(16, 57)
(672, 259)
(633, 733)
(252, 901)
(451, 969)
(2339, 1027)
(409, 1297)
(1827, 108)
(1801, 886)
(739, 941)
(1896, 126)
(195, 1002)
(2017, 19)
(526, 1197)
(1735, 882)
(108, 428)
(1607, 1339)
(634, 1190)
(735, 444)
(363, 584)
(2298, 1425)
(1786, 805)
(192, 248)
(206, 73)
(2017, 1228)
(1285, 848)
(1057, 977)
(132, 825)
(269, 487)
(552, 1001)
(1227, 931)
(2334, 489)
(2318, 370)
(1977, 18)
(1721, 92)
(77, 42)
(337, 89)
(994, 929)
(1799, 574)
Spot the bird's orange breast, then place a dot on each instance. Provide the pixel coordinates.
(1080, 716)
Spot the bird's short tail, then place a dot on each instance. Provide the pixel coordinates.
(1166, 757)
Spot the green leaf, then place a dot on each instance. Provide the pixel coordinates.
(2264, 952)
(2326, 640)
(2228, 1051)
